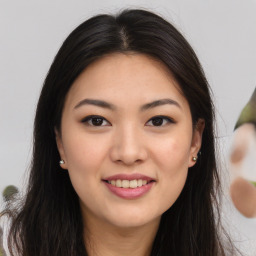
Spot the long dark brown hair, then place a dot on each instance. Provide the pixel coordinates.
(49, 221)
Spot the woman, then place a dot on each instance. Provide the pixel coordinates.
(124, 158)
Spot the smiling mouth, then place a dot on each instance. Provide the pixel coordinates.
(128, 183)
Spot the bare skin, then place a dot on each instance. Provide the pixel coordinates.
(125, 115)
(102, 239)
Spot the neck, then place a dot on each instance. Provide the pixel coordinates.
(104, 239)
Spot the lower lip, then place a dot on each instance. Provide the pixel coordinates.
(130, 193)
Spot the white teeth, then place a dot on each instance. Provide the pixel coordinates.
(118, 183)
(133, 184)
(128, 183)
(125, 183)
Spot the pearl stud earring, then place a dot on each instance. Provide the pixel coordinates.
(62, 161)
(194, 158)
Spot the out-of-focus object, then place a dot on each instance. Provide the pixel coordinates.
(248, 114)
(243, 194)
(9, 193)
(2, 252)
(244, 136)
(243, 161)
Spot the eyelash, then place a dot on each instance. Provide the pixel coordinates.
(88, 120)
(164, 118)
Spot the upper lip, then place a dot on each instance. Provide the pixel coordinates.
(134, 176)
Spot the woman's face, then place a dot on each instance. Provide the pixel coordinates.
(127, 140)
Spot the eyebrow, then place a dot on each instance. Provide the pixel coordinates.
(161, 102)
(99, 103)
(104, 104)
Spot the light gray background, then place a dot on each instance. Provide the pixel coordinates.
(222, 32)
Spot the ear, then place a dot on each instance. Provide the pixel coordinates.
(196, 141)
(60, 148)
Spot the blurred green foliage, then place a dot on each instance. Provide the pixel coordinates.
(9, 193)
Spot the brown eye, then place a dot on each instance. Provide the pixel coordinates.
(159, 121)
(95, 121)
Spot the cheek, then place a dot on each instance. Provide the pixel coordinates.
(84, 152)
(172, 153)
(85, 156)
(174, 161)
(172, 158)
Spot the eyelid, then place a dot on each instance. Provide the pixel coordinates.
(90, 117)
(168, 119)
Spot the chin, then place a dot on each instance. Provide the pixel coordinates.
(132, 218)
(133, 223)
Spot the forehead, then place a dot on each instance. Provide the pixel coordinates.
(125, 78)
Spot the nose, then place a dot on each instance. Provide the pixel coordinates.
(128, 146)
